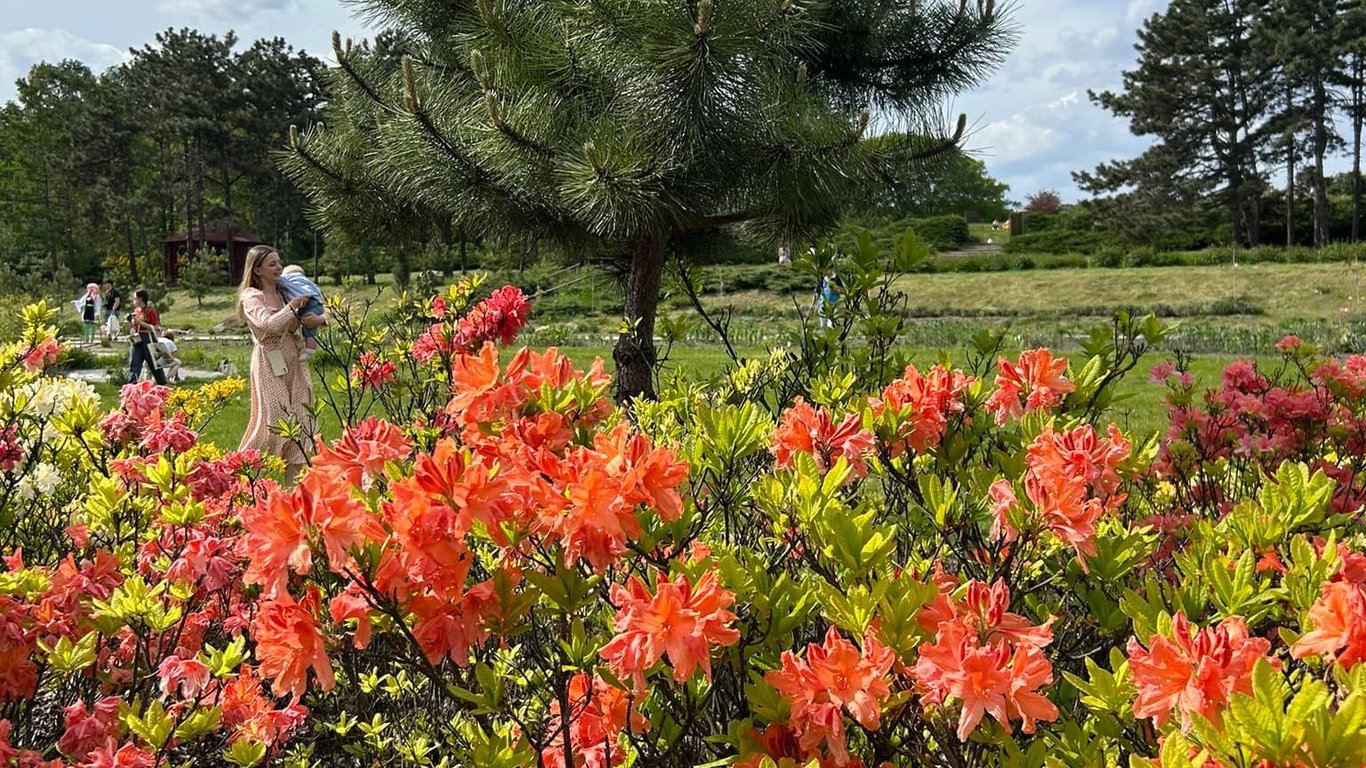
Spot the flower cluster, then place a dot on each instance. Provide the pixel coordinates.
(680, 621)
(988, 659)
(1194, 673)
(1071, 479)
(812, 430)
(914, 411)
(1036, 383)
(835, 678)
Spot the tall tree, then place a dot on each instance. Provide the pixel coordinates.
(1352, 40)
(943, 183)
(1306, 37)
(619, 124)
(50, 103)
(1203, 92)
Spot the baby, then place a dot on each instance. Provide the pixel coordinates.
(292, 284)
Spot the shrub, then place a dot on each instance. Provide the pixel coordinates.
(1062, 241)
(817, 556)
(944, 233)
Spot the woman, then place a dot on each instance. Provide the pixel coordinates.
(88, 307)
(144, 321)
(280, 384)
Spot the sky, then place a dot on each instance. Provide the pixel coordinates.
(1031, 123)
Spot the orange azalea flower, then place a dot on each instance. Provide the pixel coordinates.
(1080, 453)
(971, 660)
(275, 543)
(956, 666)
(648, 475)
(535, 370)
(289, 643)
(1060, 502)
(679, 621)
(42, 354)
(472, 376)
(447, 628)
(478, 392)
(430, 549)
(351, 604)
(1038, 379)
(596, 522)
(598, 713)
(835, 677)
(811, 430)
(924, 404)
(985, 610)
(361, 452)
(1339, 618)
(1194, 674)
(342, 521)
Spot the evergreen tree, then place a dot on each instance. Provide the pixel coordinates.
(1306, 37)
(615, 126)
(1201, 89)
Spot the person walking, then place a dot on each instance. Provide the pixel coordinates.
(113, 305)
(829, 289)
(88, 307)
(281, 385)
(144, 321)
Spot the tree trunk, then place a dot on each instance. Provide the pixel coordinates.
(132, 250)
(232, 223)
(1290, 195)
(1357, 107)
(189, 213)
(1320, 149)
(1290, 180)
(635, 350)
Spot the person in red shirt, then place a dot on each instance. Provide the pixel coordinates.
(144, 320)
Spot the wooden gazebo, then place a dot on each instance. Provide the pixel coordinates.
(190, 243)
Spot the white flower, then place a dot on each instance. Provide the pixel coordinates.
(41, 482)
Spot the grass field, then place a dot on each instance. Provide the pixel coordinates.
(1221, 312)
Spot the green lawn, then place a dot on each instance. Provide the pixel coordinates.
(1142, 409)
(1221, 311)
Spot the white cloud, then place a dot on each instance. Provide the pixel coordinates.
(1038, 122)
(20, 49)
(228, 10)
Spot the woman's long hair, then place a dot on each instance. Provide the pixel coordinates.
(255, 256)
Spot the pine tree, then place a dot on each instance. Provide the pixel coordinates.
(616, 126)
(1306, 37)
(1201, 89)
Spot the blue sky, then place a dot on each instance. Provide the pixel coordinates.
(1031, 123)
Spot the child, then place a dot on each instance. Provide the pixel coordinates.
(829, 289)
(292, 284)
(88, 306)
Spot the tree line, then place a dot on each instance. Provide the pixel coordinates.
(96, 169)
(1236, 93)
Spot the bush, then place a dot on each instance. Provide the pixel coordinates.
(816, 557)
(1063, 241)
(772, 278)
(944, 233)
